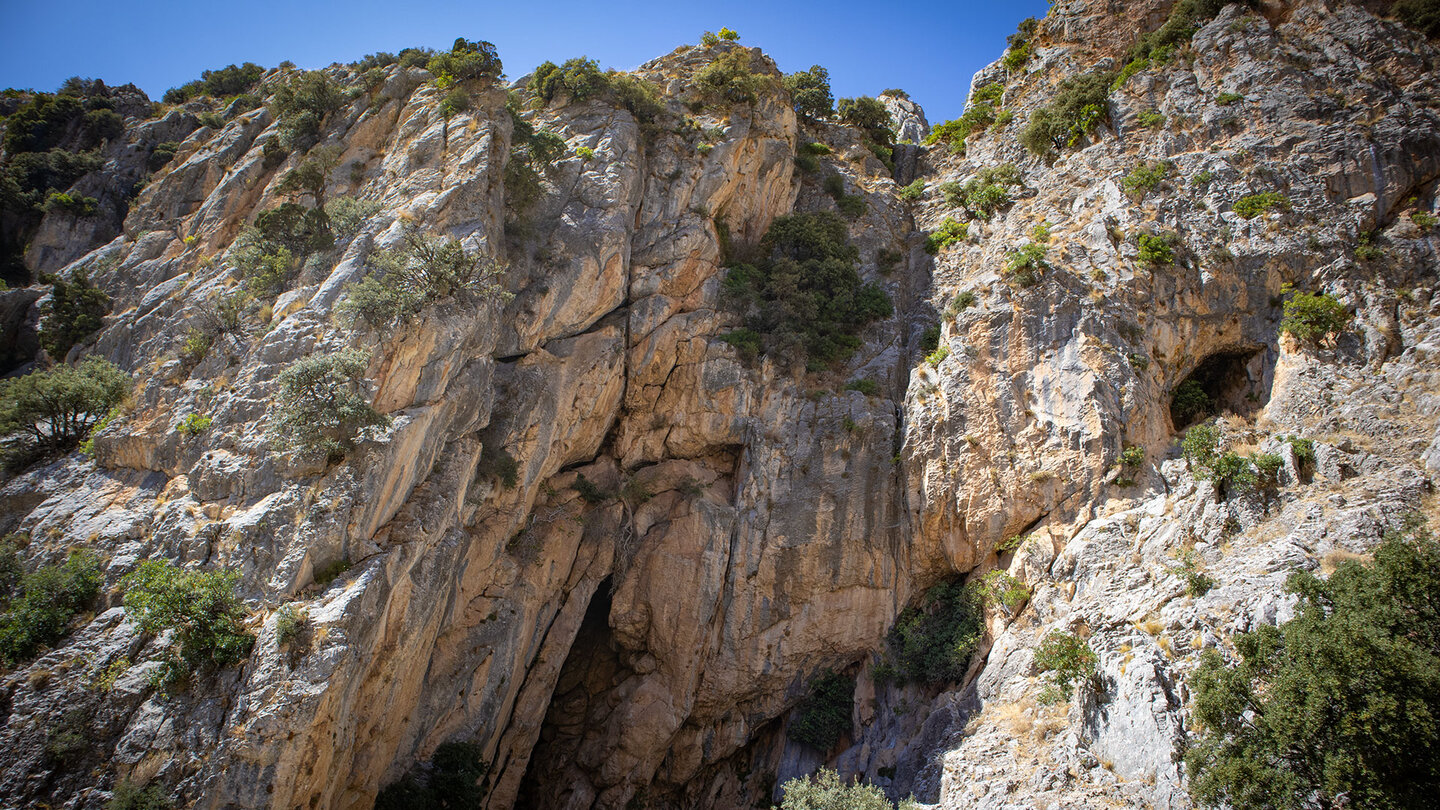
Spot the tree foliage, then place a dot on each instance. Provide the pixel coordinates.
(730, 78)
(423, 270)
(810, 92)
(804, 296)
(825, 791)
(322, 404)
(55, 409)
(1080, 104)
(468, 60)
(1339, 707)
(200, 606)
(1312, 317)
(75, 310)
(43, 605)
(932, 643)
(823, 717)
(1067, 658)
(301, 103)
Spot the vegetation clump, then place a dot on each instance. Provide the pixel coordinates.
(823, 717)
(57, 409)
(421, 272)
(231, 80)
(1156, 249)
(933, 643)
(451, 779)
(1069, 661)
(950, 232)
(75, 310)
(803, 297)
(321, 404)
(1311, 317)
(1024, 264)
(1080, 105)
(1146, 177)
(37, 607)
(825, 791)
(467, 60)
(810, 93)
(201, 607)
(1337, 707)
(730, 79)
(870, 116)
(985, 194)
(1253, 205)
(300, 104)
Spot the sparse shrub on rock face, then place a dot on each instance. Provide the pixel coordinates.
(58, 408)
(1068, 659)
(421, 271)
(321, 404)
(1336, 707)
(468, 60)
(823, 717)
(301, 104)
(825, 791)
(1080, 105)
(43, 604)
(932, 643)
(75, 310)
(200, 606)
(1312, 317)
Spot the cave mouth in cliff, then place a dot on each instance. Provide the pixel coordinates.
(1227, 381)
(577, 705)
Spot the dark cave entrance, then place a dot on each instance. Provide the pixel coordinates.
(1237, 381)
(577, 713)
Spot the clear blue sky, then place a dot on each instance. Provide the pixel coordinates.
(930, 49)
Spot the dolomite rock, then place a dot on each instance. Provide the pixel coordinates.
(643, 634)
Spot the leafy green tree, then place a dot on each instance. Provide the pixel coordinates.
(46, 601)
(57, 408)
(1339, 707)
(730, 78)
(452, 781)
(932, 643)
(421, 272)
(467, 60)
(823, 717)
(1312, 317)
(810, 92)
(202, 608)
(301, 103)
(805, 296)
(1189, 402)
(1421, 15)
(321, 404)
(1081, 104)
(825, 791)
(313, 173)
(75, 310)
(1069, 660)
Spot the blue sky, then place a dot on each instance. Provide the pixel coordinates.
(930, 49)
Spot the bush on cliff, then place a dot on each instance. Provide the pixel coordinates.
(804, 296)
(810, 93)
(202, 608)
(422, 271)
(44, 602)
(823, 717)
(825, 791)
(75, 310)
(1080, 105)
(1339, 707)
(321, 404)
(933, 643)
(56, 409)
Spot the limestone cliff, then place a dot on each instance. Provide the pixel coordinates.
(691, 537)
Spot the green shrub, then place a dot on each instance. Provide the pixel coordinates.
(1146, 177)
(962, 301)
(870, 116)
(579, 78)
(202, 609)
(468, 60)
(75, 205)
(195, 347)
(75, 310)
(823, 717)
(589, 491)
(230, 80)
(730, 79)
(747, 341)
(933, 643)
(289, 624)
(1312, 317)
(498, 463)
(1197, 583)
(1024, 265)
(451, 781)
(347, 215)
(300, 104)
(194, 424)
(999, 588)
(321, 403)
(949, 233)
(804, 297)
(1018, 45)
(930, 338)
(1424, 220)
(985, 194)
(810, 92)
(1231, 473)
(1253, 205)
(1200, 445)
(265, 265)
(161, 155)
(1068, 659)
(1267, 470)
(1420, 15)
(1366, 250)
(867, 386)
(45, 601)
(1189, 402)
(1304, 450)
(1129, 70)
(1132, 456)
(421, 272)
(1202, 178)
(56, 409)
(936, 357)
(912, 192)
(129, 796)
(825, 791)
(1226, 99)
(1156, 249)
(1080, 104)
(1336, 707)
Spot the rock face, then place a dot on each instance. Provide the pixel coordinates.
(689, 538)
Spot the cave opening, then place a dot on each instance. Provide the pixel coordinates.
(1236, 381)
(576, 721)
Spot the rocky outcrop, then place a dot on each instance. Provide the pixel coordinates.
(690, 538)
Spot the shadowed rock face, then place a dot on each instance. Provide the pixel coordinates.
(638, 637)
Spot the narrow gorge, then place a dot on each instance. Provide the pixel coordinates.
(708, 402)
